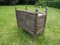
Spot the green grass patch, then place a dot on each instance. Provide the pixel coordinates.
(11, 35)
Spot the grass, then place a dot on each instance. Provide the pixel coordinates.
(11, 35)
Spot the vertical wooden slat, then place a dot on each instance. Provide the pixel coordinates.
(46, 12)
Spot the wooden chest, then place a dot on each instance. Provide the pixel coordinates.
(33, 23)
